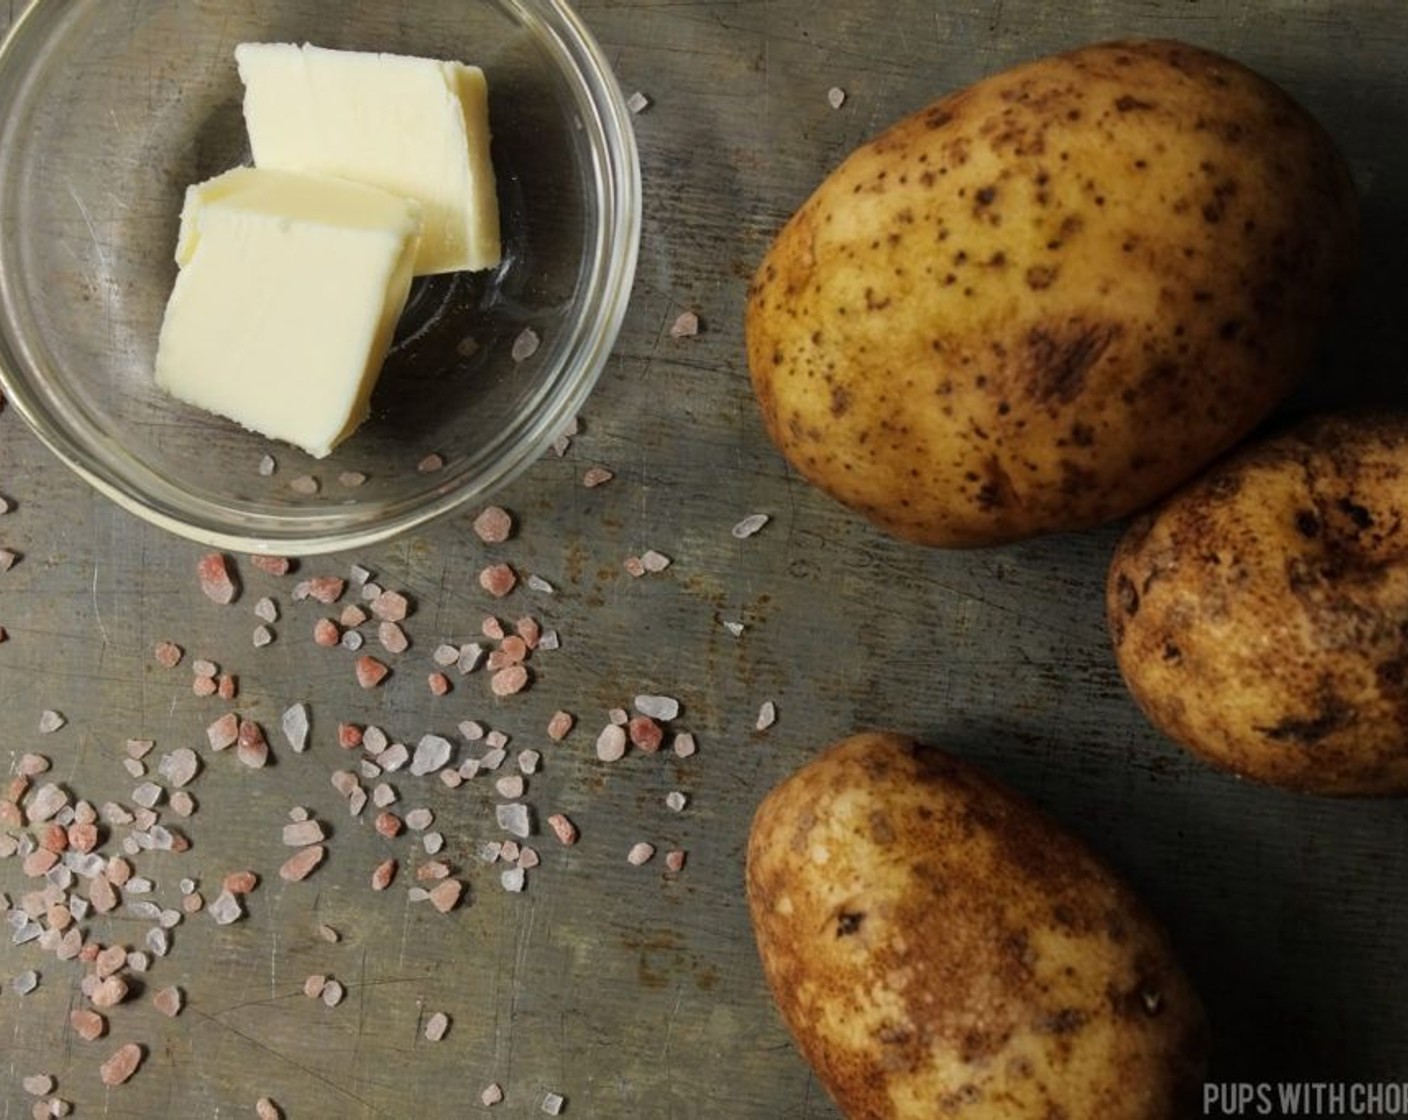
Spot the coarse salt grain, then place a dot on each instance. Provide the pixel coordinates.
(370, 672)
(272, 565)
(767, 715)
(596, 476)
(436, 1026)
(266, 1109)
(653, 561)
(50, 721)
(559, 725)
(676, 801)
(263, 636)
(305, 484)
(611, 743)
(431, 753)
(525, 345)
(637, 102)
(640, 853)
(121, 1065)
(383, 875)
(294, 724)
(266, 610)
(686, 325)
(508, 681)
(351, 479)
(563, 829)
(431, 463)
(217, 580)
(168, 654)
(445, 655)
(513, 880)
(498, 580)
(538, 583)
(835, 97)
(663, 708)
(553, 1104)
(750, 525)
(494, 525)
(675, 859)
(514, 818)
(169, 1001)
(333, 993)
(267, 465)
(392, 638)
(491, 1095)
(38, 1085)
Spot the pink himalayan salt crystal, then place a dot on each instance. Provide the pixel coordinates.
(392, 638)
(314, 984)
(251, 748)
(325, 633)
(168, 654)
(640, 853)
(439, 684)
(563, 829)
(122, 1065)
(498, 580)
(88, 1025)
(273, 565)
(445, 896)
(645, 733)
(108, 992)
(384, 873)
(390, 606)
(324, 589)
(298, 867)
(674, 859)
(559, 725)
(596, 476)
(217, 581)
(491, 1095)
(169, 1001)
(266, 1109)
(508, 681)
(437, 1026)
(494, 525)
(370, 671)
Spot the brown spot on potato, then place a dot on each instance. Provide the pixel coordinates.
(848, 923)
(1127, 595)
(1128, 103)
(1334, 715)
(1040, 277)
(1059, 357)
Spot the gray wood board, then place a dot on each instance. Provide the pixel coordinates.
(634, 993)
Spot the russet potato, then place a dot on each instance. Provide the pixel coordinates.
(939, 948)
(1043, 302)
(1260, 616)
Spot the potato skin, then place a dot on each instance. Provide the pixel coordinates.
(1045, 301)
(938, 948)
(1260, 617)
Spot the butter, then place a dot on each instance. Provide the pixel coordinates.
(286, 301)
(413, 126)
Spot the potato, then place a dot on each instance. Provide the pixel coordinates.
(939, 948)
(1260, 617)
(1045, 301)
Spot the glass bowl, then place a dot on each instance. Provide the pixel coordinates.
(112, 109)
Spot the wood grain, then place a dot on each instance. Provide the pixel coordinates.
(634, 993)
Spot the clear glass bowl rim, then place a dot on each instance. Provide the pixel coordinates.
(607, 288)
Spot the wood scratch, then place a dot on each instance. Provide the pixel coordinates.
(97, 612)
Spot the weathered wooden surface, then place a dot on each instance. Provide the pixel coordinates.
(635, 993)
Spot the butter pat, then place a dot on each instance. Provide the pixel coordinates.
(287, 298)
(413, 126)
